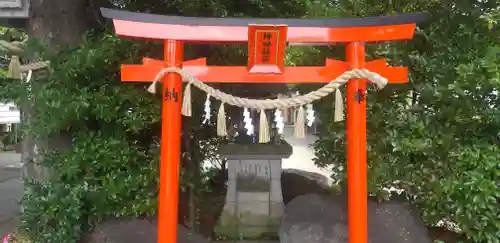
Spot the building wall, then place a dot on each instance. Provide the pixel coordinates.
(303, 156)
(9, 114)
(14, 9)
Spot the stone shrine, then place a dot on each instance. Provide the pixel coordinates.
(254, 200)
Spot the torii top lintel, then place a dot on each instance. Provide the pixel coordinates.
(317, 31)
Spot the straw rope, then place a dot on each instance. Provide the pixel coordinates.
(279, 103)
(262, 105)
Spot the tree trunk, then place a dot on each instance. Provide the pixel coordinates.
(59, 23)
(56, 24)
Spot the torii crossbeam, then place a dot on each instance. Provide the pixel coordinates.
(267, 39)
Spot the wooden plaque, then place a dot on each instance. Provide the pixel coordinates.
(266, 48)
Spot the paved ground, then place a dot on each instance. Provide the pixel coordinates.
(11, 190)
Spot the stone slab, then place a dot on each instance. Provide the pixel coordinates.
(316, 218)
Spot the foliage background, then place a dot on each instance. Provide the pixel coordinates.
(436, 138)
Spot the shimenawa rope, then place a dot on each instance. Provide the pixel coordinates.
(262, 105)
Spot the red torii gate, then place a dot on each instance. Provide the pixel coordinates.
(267, 40)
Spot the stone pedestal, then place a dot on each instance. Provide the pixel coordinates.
(254, 202)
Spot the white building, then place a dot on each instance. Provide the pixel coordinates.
(303, 156)
(14, 13)
(9, 114)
